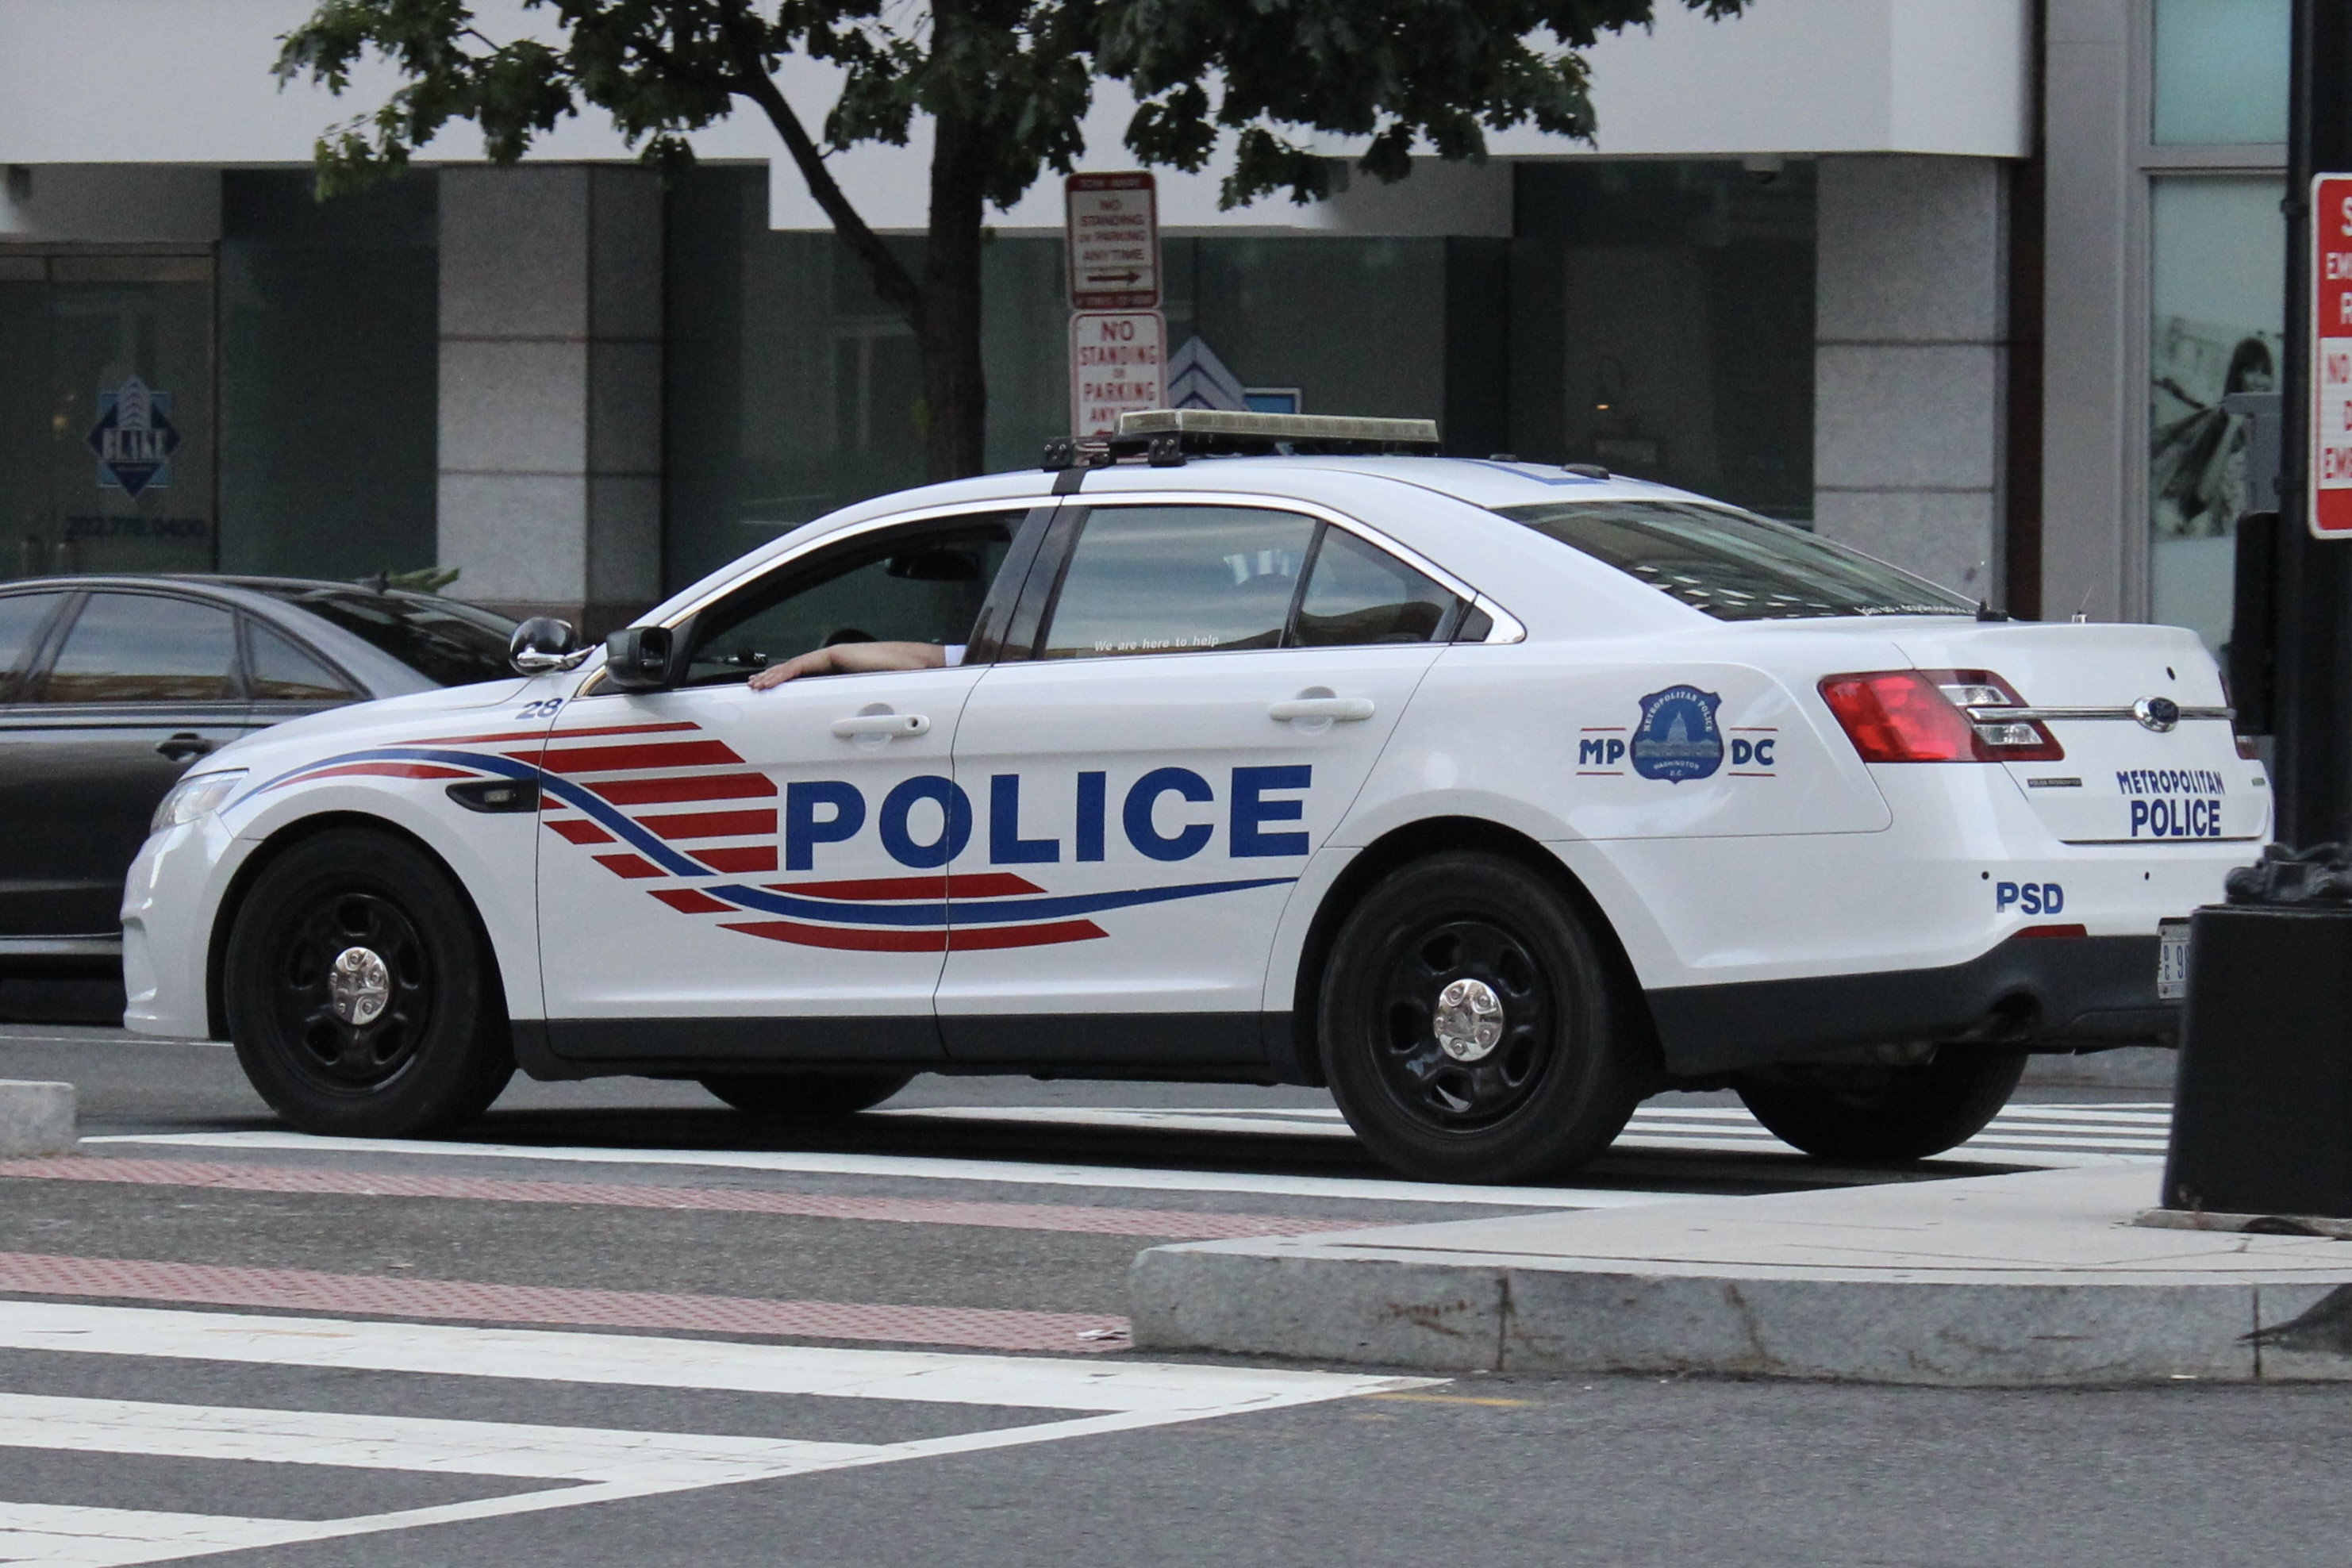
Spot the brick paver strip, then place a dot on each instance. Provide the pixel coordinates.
(301, 1290)
(1175, 1223)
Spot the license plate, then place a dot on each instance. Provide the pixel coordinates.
(2171, 961)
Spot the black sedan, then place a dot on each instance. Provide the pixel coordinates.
(110, 687)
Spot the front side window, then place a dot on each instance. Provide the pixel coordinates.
(1734, 565)
(924, 584)
(144, 648)
(1178, 579)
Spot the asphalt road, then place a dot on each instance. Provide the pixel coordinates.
(620, 1325)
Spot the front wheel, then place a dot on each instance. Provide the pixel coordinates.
(1473, 1029)
(361, 993)
(805, 1096)
(1872, 1114)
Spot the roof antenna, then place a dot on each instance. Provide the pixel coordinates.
(2083, 611)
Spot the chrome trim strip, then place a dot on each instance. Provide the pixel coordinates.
(60, 947)
(2034, 715)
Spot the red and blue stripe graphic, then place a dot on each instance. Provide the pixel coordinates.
(667, 803)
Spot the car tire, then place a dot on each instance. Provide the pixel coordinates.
(1480, 952)
(1870, 1114)
(805, 1096)
(413, 1043)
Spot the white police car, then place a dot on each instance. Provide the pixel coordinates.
(1497, 796)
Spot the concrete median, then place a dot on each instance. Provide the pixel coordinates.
(35, 1118)
(2037, 1279)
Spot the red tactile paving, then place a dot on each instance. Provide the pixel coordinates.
(1178, 1224)
(300, 1289)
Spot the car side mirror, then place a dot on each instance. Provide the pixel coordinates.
(637, 658)
(544, 643)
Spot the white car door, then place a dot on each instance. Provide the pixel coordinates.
(1206, 691)
(765, 871)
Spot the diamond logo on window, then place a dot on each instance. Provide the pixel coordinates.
(134, 438)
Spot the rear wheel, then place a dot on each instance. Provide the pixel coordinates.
(361, 993)
(1872, 1114)
(805, 1096)
(1473, 1028)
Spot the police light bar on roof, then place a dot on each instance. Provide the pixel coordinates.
(1323, 432)
(1166, 437)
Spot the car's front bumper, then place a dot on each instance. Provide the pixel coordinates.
(168, 903)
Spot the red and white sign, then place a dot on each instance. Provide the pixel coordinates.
(1118, 362)
(2331, 356)
(1112, 240)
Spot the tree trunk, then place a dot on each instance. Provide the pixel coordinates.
(955, 387)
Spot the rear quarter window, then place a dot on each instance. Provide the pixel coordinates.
(1734, 565)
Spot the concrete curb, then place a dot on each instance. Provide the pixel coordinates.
(35, 1118)
(2201, 1306)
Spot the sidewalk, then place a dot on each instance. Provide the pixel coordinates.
(2040, 1278)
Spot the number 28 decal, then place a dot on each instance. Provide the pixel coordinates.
(541, 710)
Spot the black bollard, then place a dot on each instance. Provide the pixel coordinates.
(2262, 1119)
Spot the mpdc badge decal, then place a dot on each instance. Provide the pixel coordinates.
(1677, 738)
(134, 438)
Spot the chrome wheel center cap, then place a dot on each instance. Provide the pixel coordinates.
(359, 986)
(1469, 1020)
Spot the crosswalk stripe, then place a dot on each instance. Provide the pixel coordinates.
(924, 1168)
(651, 1360)
(603, 1465)
(402, 1443)
(1083, 1218)
(221, 1285)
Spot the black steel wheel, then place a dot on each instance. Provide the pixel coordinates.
(1871, 1113)
(805, 1096)
(361, 995)
(1473, 1029)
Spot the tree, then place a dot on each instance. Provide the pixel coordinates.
(1005, 84)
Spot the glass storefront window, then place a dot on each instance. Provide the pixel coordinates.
(329, 367)
(1663, 326)
(106, 419)
(2221, 71)
(2217, 275)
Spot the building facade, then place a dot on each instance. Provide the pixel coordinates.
(1959, 282)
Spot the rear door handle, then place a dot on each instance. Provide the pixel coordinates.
(889, 726)
(1347, 709)
(184, 745)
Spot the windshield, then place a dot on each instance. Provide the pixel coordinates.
(1734, 565)
(449, 644)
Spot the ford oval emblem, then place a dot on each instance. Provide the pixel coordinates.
(2157, 713)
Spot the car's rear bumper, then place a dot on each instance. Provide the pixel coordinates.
(2046, 993)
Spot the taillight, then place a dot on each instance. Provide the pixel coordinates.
(1936, 716)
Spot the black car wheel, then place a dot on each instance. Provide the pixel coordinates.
(805, 1096)
(1473, 1029)
(1873, 1114)
(361, 993)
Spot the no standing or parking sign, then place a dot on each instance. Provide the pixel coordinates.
(2331, 356)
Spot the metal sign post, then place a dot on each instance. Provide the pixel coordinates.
(1118, 340)
(2312, 774)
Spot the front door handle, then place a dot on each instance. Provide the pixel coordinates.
(888, 726)
(183, 746)
(1347, 709)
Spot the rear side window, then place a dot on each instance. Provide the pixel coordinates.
(22, 616)
(449, 644)
(1178, 579)
(1358, 594)
(142, 647)
(1736, 566)
(280, 672)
